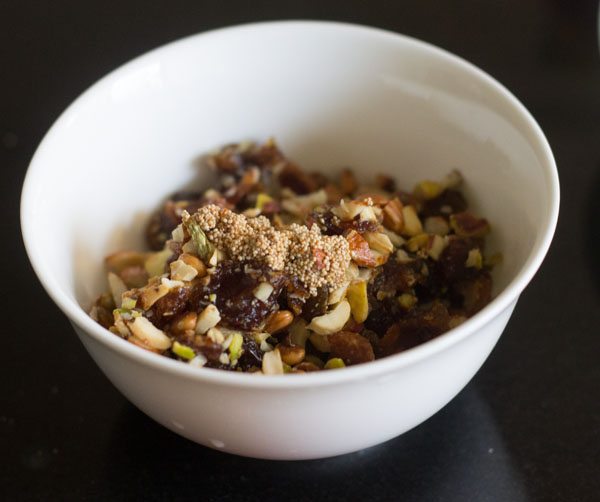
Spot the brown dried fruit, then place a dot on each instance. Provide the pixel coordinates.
(352, 348)
(476, 292)
(348, 183)
(467, 225)
(134, 276)
(291, 176)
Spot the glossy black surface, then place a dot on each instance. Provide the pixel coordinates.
(526, 428)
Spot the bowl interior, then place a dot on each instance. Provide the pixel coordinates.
(332, 95)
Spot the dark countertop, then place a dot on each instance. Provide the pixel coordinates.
(526, 428)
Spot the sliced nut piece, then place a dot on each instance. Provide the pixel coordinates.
(298, 332)
(436, 245)
(278, 320)
(272, 363)
(120, 260)
(178, 234)
(143, 329)
(337, 295)
(216, 335)
(117, 288)
(332, 321)
(357, 298)
(185, 323)
(393, 218)
(417, 242)
(379, 242)
(291, 355)
(181, 271)
(436, 225)
(412, 223)
(402, 256)
(156, 263)
(263, 291)
(301, 205)
(194, 261)
(395, 239)
(319, 342)
(207, 319)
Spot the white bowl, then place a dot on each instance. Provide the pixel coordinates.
(333, 95)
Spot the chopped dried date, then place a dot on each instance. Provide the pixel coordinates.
(292, 177)
(316, 305)
(251, 355)
(351, 347)
(423, 324)
(173, 303)
(447, 203)
(475, 292)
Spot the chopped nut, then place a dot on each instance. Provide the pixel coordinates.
(333, 321)
(436, 225)
(207, 319)
(156, 263)
(436, 244)
(412, 224)
(185, 323)
(193, 261)
(117, 288)
(181, 271)
(272, 363)
(216, 335)
(428, 190)
(357, 298)
(407, 301)
(379, 242)
(402, 256)
(183, 351)
(263, 291)
(417, 242)
(359, 249)
(393, 217)
(474, 259)
(143, 329)
(291, 354)
(337, 295)
(394, 238)
(278, 320)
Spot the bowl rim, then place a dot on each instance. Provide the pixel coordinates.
(376, 368)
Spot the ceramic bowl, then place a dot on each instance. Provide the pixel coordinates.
(333, 95)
